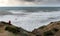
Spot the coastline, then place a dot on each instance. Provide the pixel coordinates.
(51, 29)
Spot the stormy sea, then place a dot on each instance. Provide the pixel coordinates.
(30, 18)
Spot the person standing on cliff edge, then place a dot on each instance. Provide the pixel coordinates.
(9, 22)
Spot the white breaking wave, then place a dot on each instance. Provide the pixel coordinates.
(32, 20)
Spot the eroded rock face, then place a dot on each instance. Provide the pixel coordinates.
(52, 29)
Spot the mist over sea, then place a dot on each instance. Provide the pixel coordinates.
(30, 18)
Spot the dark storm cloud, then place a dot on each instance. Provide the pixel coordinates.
(43, 1)
(30, 0)
(37, 2)
(27, 0)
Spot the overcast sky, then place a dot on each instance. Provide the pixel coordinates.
(29, 2)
